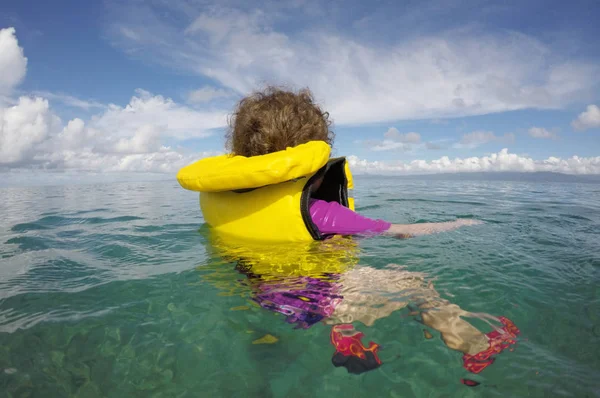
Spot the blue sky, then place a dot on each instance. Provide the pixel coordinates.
(146, 85)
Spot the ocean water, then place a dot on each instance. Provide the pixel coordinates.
(117, 290)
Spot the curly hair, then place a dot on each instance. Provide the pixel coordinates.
(274, 119)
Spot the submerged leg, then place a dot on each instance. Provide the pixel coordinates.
(458, 334)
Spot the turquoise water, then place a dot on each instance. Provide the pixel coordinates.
(114, 290)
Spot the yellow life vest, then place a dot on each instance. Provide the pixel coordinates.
(266, 198)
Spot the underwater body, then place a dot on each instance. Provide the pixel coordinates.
(121, 290)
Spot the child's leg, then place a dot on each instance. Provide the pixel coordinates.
(369, 294)
(460, 335)
(456, 332)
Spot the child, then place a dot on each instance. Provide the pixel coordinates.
(274, 120)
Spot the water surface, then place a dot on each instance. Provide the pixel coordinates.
(115, 290)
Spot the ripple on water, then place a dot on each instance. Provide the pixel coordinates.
(49, 222)
(370, 207)
(436, 201)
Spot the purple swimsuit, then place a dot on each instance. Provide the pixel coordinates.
(333, 218)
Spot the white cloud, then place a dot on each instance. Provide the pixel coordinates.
(409, 138)
(119, 138)
(393, 140)
(540, 132)
(164, 160)
(448, 74)
(388, 145)
(129, 138)
(13, 63)
(501, 161)
(207, 94)
(588, 119)
(145, 109)
(24, 126)
(70, 100)
(478, 138)
(129, 34)
(73, 136)
(146, 139)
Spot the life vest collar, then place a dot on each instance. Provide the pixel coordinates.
(229, 172)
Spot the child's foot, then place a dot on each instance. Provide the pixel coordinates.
(497, 343)
(350, 351)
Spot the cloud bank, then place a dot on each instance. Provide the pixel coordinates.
(501, 161)
(453, 73)
(125, 138)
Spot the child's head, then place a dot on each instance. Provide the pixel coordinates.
(274, 119)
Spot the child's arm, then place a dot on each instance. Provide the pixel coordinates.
(333, 218)
(410, 230)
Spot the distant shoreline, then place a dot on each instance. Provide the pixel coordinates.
(537, 176)
(46, 179)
